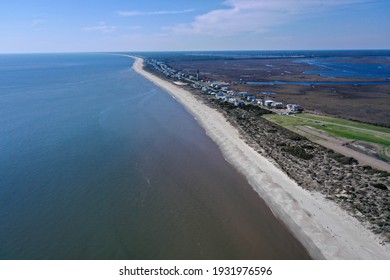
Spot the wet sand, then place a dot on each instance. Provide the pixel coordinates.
(321, 226)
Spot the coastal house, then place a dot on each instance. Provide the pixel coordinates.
(220, 96)
(232, 100)
(239, 103)
(249, 97)
(260, 101)
(268, 103)
(294, 108)
(215, 85)
(230, 92)
(277, 105)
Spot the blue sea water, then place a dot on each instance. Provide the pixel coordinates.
(350, 67)
(96, 162)
(311, 83)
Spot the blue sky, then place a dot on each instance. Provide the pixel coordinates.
(163, 25)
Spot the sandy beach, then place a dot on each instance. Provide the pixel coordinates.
(327, 231)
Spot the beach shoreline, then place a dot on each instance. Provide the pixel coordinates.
(323, 228)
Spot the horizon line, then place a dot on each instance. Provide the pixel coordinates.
(182, 51)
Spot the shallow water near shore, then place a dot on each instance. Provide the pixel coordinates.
(98, 163)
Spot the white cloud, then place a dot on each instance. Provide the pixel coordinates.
(152, 13)
(101, 27)
(256, 16)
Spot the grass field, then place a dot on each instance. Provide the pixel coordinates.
(346, 123)
(336, 127)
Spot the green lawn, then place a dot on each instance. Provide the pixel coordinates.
(346, 122)
(354, 131)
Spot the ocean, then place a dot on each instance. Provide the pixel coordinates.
(96, 162)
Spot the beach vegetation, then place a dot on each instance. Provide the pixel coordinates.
(298, 152)
(257, 110)
(373, 171)
(380, 186)
(341, 158)
(295, 137)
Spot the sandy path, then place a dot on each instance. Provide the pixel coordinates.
(321, 226)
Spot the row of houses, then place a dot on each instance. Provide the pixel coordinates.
(279, 105)
(230, 99)
(221, 91)
(168, 71)
(260, 101)
(228, 95)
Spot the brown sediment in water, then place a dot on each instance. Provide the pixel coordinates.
(320, 225)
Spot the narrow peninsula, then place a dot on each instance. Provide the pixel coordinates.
(323, 222)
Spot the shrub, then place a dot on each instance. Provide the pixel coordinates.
(372, 171)
(295, 137)
(379, 186)
(342, 159)
(298, 152)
